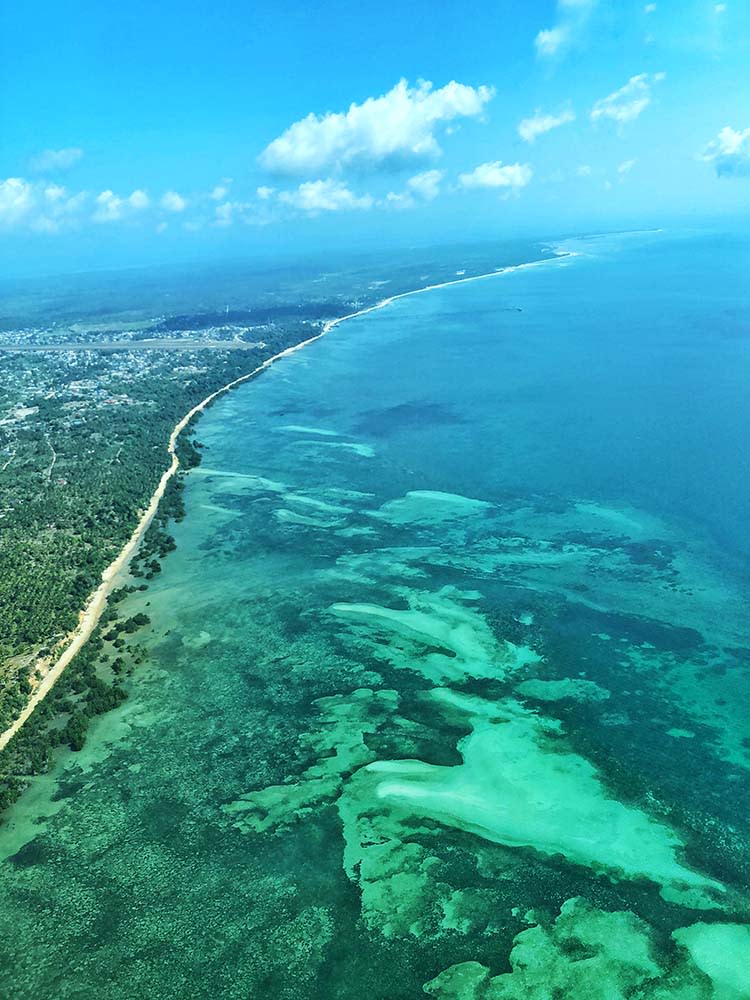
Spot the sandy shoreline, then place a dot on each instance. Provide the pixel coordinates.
(92, 612)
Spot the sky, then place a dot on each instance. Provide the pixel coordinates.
(138, 133)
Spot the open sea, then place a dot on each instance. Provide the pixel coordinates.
(447, 690)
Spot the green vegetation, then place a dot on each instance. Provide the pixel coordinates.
(82, 448)
(89, 687)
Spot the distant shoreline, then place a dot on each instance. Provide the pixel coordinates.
(109, 346)
(97, 601)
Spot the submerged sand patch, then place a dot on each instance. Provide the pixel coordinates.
(520, 786)
(590, 954)
(430, 507)
(722, 952)
(575, 688)
(440, 637)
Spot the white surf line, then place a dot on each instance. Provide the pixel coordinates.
(95, 605)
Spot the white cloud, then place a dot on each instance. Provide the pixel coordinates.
(572, 16)
(720, 8)
(232, 211)
(41, 206)
(16, 201)
(55, 159)
(224, 214)
(383, 132)
(264, 192)
(110, 207)
(250, 213)
(495, 174)
(54, 193)
(173, 202)
(729, 152)
(45, 206)
(626, 166)
(314, 197)
(550, 41)
(139, 199)
(220, 191)
(627, 103)
(426, 184)
(650, 8)
(539, 123)
(584, 170)
(398, 200)
(60, 209)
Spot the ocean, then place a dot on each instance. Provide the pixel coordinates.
(447, 687)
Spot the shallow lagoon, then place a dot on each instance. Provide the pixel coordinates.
(449, 676)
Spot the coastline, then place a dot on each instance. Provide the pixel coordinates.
(97, 601)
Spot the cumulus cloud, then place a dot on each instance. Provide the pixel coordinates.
(43, 205)
(173, 202)
(264, 192)
(255, 211)
(224, 215)
(550, 41)
(37, 206)
(626, 166)
(495, 174)
(60, 210)
(384, 132)
(426, 184)
(54, 192)
(572, 16)
(314, 197)
(627, 103)
(139, 199)
(221, 190)
(111, 207)
(229, 212)
(55, 159)
(398, 200)
(729, 152)
(421, 187)
(16, 201)
(539, 123)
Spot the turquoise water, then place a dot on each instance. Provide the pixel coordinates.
(448, 680)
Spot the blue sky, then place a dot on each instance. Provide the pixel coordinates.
(140, 132)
